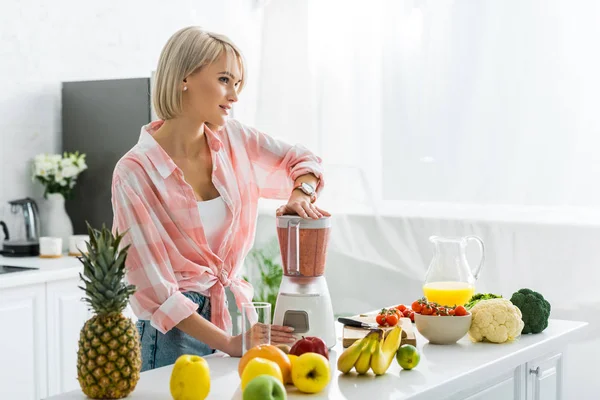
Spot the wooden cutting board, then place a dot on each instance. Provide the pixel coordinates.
(351, 334)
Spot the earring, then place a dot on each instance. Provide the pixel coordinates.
(184, 88)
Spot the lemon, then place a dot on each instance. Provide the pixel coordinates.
(408, 356)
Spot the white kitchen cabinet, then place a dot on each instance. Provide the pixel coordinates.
(508, 386)
(538, 379)
(66, 314)
(545, 378)
(23, 343)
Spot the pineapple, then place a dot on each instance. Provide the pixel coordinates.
(108, 358)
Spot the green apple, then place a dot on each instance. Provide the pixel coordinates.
(265, 387)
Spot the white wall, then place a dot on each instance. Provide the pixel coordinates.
(44, 43)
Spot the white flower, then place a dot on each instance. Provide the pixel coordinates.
(67, 162)
(82, 165)
(44, 168)
(62, 182)
(70, 171)
(55, 159)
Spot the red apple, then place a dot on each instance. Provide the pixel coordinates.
(310, 344)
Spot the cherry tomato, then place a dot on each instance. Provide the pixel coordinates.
(392, 319)
(407, 313)
(426, 309)
(387, 317)
(460, 311)
(416, 306)
(396, 311)
(401, 308)
(412, 316)
(451, 312)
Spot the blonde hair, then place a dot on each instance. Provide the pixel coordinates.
(186, 51)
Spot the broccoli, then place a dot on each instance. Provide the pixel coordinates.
(480, 296)
(535, 310)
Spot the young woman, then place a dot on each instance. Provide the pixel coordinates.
(187, 193)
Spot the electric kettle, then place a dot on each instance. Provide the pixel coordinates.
(28, 245)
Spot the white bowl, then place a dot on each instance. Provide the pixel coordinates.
(442, 329)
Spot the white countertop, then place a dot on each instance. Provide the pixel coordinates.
(50, 269)
(442, 370)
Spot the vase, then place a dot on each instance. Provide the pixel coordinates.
(55, 220)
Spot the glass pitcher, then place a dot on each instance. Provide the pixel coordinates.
(450, 280)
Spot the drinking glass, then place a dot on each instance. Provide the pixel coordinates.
(256, 324)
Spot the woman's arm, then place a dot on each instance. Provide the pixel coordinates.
(206, 332)
(300, 203)
(278, 165)
(214, 337)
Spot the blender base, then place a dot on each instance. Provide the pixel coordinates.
(310, 314)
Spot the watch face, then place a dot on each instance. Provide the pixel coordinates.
(308, 189)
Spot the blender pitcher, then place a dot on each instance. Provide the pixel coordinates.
(303, 245)
(450, 281)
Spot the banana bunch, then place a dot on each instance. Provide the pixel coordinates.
(375, 351)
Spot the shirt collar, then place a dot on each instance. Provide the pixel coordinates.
(161, 160)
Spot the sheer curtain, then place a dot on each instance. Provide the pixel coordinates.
(456, 102)
(447, 118)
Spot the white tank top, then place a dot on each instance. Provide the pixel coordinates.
(214, 215)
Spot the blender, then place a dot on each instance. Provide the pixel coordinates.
(303, 301)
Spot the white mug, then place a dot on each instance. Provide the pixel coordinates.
(77, 244)
(50, 247)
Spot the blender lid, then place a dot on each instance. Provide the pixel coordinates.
(305, 223)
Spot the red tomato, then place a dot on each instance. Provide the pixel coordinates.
(401, 308)
(396, 311)
(392, 319)
(416, 306)
(387, 317)
(426, 309)
(460, 311)
(407, 313)
(451, 312)
(412, 317)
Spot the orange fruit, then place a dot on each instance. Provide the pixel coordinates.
(268, 352)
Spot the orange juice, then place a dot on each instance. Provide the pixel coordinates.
(448, 293)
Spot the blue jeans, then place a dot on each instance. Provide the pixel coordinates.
(159, 350)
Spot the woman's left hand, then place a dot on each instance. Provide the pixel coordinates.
(299, 203)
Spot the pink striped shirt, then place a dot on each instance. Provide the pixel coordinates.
(169, 253)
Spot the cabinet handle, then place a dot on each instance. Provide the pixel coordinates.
(534, 371)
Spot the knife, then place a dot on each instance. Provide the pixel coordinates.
(357, 324)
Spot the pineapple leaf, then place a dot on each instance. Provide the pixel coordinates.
(104, 270)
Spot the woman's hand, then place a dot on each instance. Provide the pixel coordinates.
(299, 204)
(258, 334)
(282, 334)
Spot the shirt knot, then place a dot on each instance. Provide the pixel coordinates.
(224, 279)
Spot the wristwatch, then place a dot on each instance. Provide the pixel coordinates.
(307, 188)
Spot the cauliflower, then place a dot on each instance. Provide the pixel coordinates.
(495, 320)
